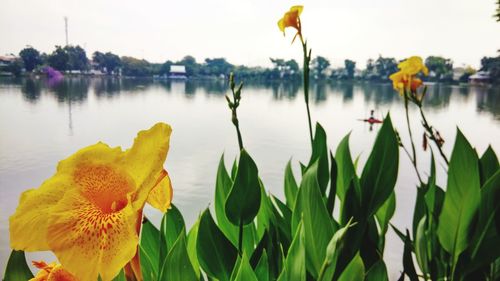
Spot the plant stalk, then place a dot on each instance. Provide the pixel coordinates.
(307, 58)
(429, 130)
(414, 158)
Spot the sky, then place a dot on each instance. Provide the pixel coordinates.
(246, 32)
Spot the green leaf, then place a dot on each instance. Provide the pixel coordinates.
(421, 246)
(243, 201)
(330, 204)
(245, 272)
(377, 272)
(488, 165)
(262, 268)
(17, 269)
(149, 250)
(191, 247)
(216, 254)
(318, 224)
(355, 270)
(177, 266)
(461, 200)
(234, 169)
(385, 213)
(409, 267)
(333, 250)
(345, 167)
(295, 262)
(320, 154)
(223, 185)
(381, 169)
(291, 187)
(171, 226)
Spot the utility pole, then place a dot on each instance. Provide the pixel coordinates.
(66, 29)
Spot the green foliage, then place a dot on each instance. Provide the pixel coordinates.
(243, 201)
(350, 67)
(441, 69)
(31, 58)
(149, 248)
(318, 67)
(107, 62)
(17, 269)
(177, 265)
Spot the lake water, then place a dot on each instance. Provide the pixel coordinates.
(42, 123)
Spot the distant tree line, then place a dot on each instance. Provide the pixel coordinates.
(74, 59)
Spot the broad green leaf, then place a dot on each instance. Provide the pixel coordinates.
(270, 244)
(385, 213)
(245, 271)
(330, 204)
(333, 250)
(488, 165)
(216, 254)
(377, 272)
(234, 168)
(17, 269)
(318, 224)
(191, 247)
(345, 167)
(381, 169)
(461, 200)
(223, 185)
(149, 250)
(295, 262)
(355, 270)
(291, 187)
(171, 226)
(320, 154)
(243, 201)
(262, 268)
(177, 266)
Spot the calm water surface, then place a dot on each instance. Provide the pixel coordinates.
(42, 123)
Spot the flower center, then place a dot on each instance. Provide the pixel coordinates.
(104, 185)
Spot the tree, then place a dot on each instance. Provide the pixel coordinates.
(218, 66)
(319, 65)
(107, 62)
(135, 67)
(492, 66)
(165, 67)
(385, 67)
(31, 58)
(497, 15)
(192, 67)
(59, 59)
(441, 68)
(77, 58)
(350, 67)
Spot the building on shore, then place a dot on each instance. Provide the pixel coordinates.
(177, 72)
(480, 77)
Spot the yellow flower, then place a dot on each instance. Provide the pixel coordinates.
(292, 19)
(413, 65)
(52, 272)
(405, 77)
(88, 213)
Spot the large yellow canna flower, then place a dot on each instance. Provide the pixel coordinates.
(405, 78)
(292, 19)
(52, 272)
(88, 212)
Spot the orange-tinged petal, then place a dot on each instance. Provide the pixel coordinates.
(297, 8)
(144, 161)
(28, 225)
(60, 274)
(161, 195)
(89, 241)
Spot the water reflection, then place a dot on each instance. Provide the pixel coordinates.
(76, 90)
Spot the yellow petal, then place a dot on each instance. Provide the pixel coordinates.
(281, 25)
(161, 195)
(60, 274)
(90, 242)
(28, 225)
(297, 8)
(144, 161)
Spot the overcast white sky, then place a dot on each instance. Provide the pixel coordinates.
(246, 32)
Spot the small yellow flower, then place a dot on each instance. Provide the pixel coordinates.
(413, 65)
(87, 213)
(292, 19)
(52, 272)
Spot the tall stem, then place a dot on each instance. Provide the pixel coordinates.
(429, 130)
(307, 57)
(414, 158)
(236, 124)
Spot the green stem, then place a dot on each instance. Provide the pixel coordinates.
(240, 240)
(307, 58)
(429, 130)
(414, 158)
(236, 124)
